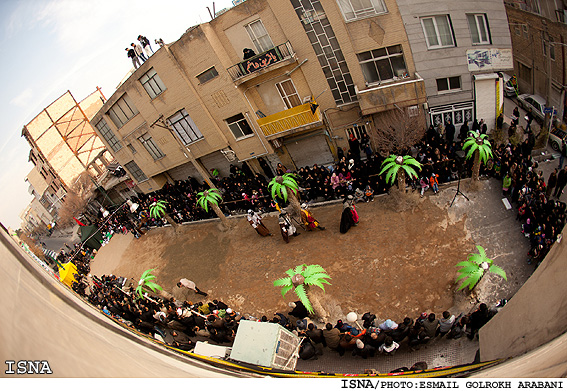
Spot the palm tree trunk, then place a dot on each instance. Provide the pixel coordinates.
(476, 166)
(294, 202)
(320, 312)
(220, 215)
(402, 180)
(170, 220)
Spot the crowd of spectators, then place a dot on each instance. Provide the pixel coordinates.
(243, 190)
(181, 324)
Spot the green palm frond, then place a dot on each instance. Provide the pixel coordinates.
(299, 269)
(286, 289)
(314, 275)
(145, 284)
(410, 171)
(157, 209)
(284, 281)
(302, 295)
(288, 183)
(471, 271)
(391, 166)
(290, 272)
(499, 271)
(386, 166)
(391, 175)
(472, 145)
(312, 269)
(211, 196)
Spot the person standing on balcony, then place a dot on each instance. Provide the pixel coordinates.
(248, 53)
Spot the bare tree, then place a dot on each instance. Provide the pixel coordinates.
(76, 200)
(396, 131)
(32, 245)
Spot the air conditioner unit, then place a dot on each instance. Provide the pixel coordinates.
(306, 99)
(276, 143)
(274, 346)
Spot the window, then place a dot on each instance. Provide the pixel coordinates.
(413, 111)
(239, 126)
(448, 84)
(209, 74)
(383, 64)
(137, 174)
(259, 36)
(525, 30)
(152, 148)
(438, 31)
(122, 111)
(184, 127)
(545, 46)
(132, 149)
(152, 83)
(478, 25)
(531, 6)
(357, 9)
(288, 93)
(108, 135)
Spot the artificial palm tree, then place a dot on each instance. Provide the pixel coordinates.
(473, 269)
(393, 164)
(478, 146)
(146, 283)
(157, 211)
(301, 278)
(212, 197)
(285, 186)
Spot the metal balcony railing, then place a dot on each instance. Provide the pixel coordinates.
(261, 61)
(296, 117)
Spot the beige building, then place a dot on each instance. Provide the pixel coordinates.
(319, 70)
(63, 145)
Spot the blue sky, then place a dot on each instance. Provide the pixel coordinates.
(49, 47)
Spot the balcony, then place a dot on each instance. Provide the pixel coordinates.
(274, 58)
(296, 119)
(404, 92)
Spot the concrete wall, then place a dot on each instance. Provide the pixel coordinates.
(535, 315)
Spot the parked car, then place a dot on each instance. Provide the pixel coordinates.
(509, 89)
(556, 138)
(534, 102)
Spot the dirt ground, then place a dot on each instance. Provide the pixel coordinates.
(393, 264)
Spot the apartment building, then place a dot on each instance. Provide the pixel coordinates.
(459, 48)
(315, 71)
(63, 145)
(539, 35)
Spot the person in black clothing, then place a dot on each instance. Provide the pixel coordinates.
(298, 310)
(132, 54)
(248, 53)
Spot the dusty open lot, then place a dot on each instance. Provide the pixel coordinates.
(394, 264)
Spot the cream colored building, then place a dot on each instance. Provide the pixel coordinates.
(63, 145)
(321, 69)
